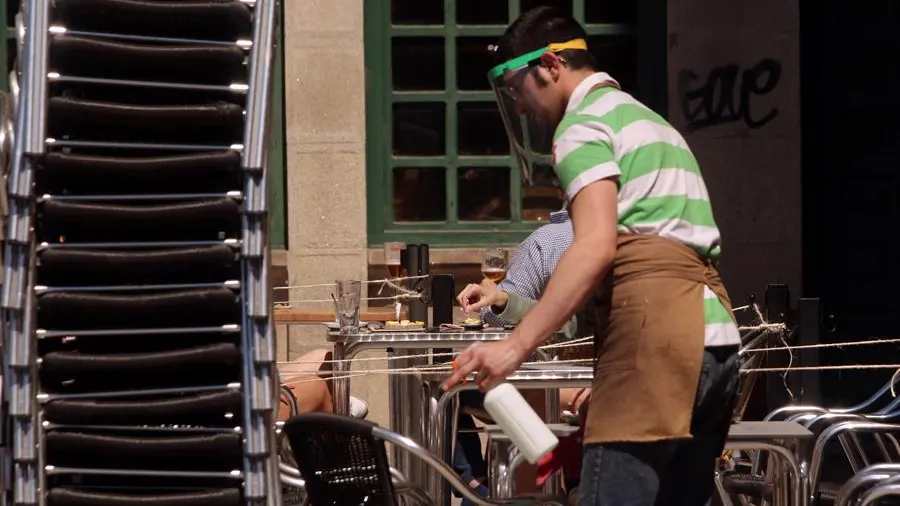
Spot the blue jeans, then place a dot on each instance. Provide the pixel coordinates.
(663, 473)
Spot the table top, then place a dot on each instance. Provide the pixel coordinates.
(295, 316)
(426, 339)
(757, 431)
(528, 373)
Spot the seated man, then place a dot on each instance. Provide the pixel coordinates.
(311, 390)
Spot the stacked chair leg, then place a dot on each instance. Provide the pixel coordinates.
(138, 349)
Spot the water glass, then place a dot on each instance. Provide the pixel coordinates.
(347, 301)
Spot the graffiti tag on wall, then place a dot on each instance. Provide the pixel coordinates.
(727, 95)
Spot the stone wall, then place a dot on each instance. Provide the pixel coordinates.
(734, 91)
(326, 194)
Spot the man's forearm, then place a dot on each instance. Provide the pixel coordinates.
(580, 269)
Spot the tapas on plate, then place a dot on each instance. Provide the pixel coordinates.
(473, 324)
(402, 326)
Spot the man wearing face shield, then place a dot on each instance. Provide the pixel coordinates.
(644, 254)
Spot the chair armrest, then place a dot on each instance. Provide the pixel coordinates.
(887, 488)
(450, 475)
(291, 399)
(790, 410)
(871, 475)
(815, 464)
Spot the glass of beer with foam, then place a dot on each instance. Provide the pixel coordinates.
(494, 264)
(392, 258)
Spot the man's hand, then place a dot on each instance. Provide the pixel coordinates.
(492, 362)
(475, 297)
(578, 401)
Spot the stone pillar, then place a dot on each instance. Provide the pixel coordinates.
(326, 172)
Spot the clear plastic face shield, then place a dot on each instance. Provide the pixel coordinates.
(531, 140)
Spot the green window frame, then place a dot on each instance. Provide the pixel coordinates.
(649, 41)
(277, 159)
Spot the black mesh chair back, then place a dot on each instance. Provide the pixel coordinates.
(343, 463)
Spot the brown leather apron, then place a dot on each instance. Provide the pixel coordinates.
(649, 341)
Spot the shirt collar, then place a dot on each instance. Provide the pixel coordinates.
(560, 216)
(585, 86)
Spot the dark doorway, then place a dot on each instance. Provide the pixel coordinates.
(850, 78)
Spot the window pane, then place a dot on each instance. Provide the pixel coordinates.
(564, 5)
(473, 61)
(483, 194)
(610, 11)
(481, 130)
(418, 63)
(419, 129)
(420, 194)
(417, 12)
(617, 55)
(542, 199)
(481, 12)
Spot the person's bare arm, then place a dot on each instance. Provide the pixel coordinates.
(581, 268)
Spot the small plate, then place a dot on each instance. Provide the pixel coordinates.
(473, 326)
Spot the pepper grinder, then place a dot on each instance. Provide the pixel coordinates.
(417, 265)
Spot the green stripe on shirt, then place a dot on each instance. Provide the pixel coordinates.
(677, 207)
(715, 312)
(654, 156)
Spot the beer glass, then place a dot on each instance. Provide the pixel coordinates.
(392, 258)
(494, 264)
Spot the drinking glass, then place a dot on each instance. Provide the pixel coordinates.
(494, 264)
(346, 303)
(393, 258)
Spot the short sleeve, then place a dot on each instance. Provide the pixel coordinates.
(583, 154)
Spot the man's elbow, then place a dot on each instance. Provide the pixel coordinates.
(600, 251)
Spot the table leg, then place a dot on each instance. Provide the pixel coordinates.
(341, 384)
(498, 468)
(408, 415)
(552, 487)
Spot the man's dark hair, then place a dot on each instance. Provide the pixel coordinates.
(539, 27)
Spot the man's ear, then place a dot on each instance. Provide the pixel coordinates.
(552, 63)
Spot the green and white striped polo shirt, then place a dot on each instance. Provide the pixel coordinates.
(607, 133)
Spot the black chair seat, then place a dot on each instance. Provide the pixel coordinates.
(747, 484)
(180, 308)
(65, 496)
(217, 452)
(198, 64)
(64, 173)
(207, 219)
(219, 409)
(218, 123)
(73, 267)
(211, 20)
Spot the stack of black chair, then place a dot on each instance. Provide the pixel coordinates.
(139, 357)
